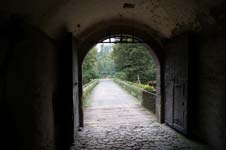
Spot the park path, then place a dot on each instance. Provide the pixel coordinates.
(116, 121)
(111, 105)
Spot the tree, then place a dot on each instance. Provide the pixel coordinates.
(105, 61)
(133, 62)
(89, 67)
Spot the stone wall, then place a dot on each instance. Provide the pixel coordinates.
(206, 76)
(146, 99)
(30, 78)
(209, 120)
(4, 53)
(149, 101)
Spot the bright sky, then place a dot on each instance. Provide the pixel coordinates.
(107, 44)
(98, 46)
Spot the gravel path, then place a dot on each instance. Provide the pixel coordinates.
(115, 121)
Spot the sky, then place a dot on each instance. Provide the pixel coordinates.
(108, 44)
(98, 46)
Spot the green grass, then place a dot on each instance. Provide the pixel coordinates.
(132, 89)
(87, 90)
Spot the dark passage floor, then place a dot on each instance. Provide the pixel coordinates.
(115, 121)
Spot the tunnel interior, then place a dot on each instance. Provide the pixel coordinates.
(43, 44)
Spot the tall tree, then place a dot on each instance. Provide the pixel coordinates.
(130, 61)
(133, 62)
(105, 61)
(89, 67)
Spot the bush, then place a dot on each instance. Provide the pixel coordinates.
(147, 99)
(142, 86)
(133, 90)
(87, 90)
(120, 75)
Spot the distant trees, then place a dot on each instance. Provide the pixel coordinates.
(127, 61)
(133, 62)
(105, 61)
(89, 67)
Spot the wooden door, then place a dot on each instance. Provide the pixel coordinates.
(75, 87)
(180, 106)
(176, 82)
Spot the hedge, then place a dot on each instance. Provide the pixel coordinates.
(147, 99)
(133, 90)
(87, 90)
(145, 87)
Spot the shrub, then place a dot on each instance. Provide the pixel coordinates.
(142, 86)
(133, 90)
(87, 90)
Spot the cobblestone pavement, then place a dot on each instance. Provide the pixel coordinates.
(115, 121)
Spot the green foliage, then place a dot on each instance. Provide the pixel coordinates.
(105, 61)
(149, 88)
(89, 66)
(133, 62)
(133, 90)
(130, 62)
(120, 75)
(98, 64)
(87, 90)
(142, 86)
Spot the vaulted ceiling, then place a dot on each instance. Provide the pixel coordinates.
(55, 16)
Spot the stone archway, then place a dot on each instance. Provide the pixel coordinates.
(92, 36)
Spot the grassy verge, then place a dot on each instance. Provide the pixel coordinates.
(133, 90)
(87, 90)
(147, 99)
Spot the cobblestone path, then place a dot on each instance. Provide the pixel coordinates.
(115, 121)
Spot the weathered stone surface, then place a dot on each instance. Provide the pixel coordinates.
(149, 101)
(116, 121)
